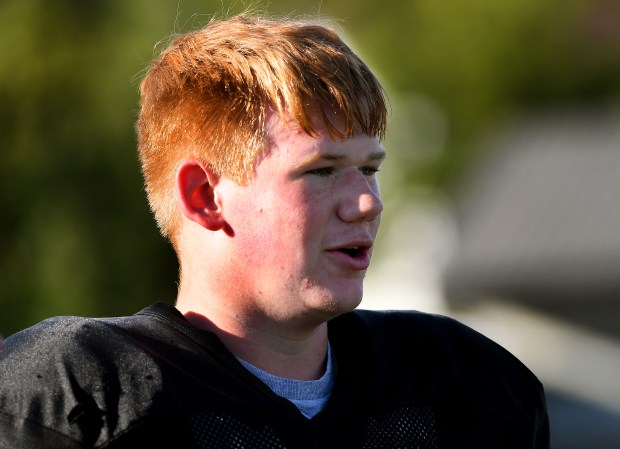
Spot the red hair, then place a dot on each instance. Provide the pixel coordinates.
(208, 94)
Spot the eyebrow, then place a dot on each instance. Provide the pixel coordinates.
(375, 156)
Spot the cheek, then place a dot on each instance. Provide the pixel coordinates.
(265, 229)
(309, 215)
(279, 225)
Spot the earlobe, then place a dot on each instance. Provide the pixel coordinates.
(196, 196)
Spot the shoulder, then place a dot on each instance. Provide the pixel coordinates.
(433, 330)
(43, 356)
(65, 373)
(411, 326)
(431, 336)
(53, 339)
(65, 336)
(447, 350)
(87, 348)
(411, 359)
(80, 336)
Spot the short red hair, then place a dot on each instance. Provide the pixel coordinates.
(208, 94)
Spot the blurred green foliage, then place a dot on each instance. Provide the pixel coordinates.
(75, 230)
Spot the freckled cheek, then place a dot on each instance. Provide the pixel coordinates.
(314, 225)
(267, 233)
(281, 225)
(299, 229)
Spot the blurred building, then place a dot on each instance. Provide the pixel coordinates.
(537, 263)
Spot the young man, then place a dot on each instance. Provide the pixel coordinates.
(260, 140)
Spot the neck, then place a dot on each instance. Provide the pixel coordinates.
(279, 348)
(293, 346)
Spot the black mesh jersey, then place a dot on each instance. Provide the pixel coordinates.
(404, 380)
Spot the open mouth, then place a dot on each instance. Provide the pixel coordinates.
(351, 256)
(354, 251)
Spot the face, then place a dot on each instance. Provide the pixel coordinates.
(305, 225)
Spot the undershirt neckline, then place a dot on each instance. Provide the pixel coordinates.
(309, 396)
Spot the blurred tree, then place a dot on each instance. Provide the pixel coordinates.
(75, 230)
(481, 60)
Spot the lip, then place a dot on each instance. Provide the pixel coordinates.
(358, 260)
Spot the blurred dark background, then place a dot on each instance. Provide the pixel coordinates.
(502, 112)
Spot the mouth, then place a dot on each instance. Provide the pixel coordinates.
(352, 257)
(354, 251)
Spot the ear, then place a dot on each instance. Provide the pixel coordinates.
(196, 196)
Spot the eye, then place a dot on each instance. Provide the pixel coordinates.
(321, 171)
(369, 171)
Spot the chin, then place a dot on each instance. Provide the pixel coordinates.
(341, 302)
(333, 300)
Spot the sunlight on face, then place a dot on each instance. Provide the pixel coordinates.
(305, 224)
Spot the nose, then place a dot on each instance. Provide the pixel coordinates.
(360, 199)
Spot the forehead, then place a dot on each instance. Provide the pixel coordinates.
(286, 137)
